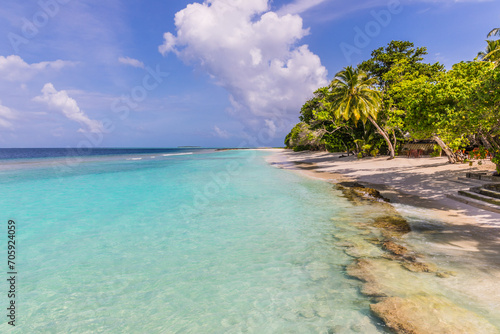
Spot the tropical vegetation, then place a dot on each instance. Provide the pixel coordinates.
(395, 97)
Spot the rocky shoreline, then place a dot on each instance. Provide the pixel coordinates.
(437, 272)
(413, 311)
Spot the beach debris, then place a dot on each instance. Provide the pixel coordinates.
(429, 314)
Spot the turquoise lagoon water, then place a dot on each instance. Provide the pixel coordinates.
(215, 242)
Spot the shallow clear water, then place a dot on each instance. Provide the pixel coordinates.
(201, 243)
(469, 251)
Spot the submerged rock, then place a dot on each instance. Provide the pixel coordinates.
(428, 314)
(394, 248)
(307, 313)
(335, 329)
(361, 248)
(345, 244)
(391, 220)
(419, 267)
(407, 260)
(356, 191)
(445, 274)
(398, 252)
(374, 241)
(373, 290)
(318, 270)
(349, 184)
(393, 223)
(362, 269)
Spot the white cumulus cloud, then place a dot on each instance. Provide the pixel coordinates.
(252, 52)
(60, 100)
(300, 6)
(131, 61)
(6, 114)
(14, 68)
(221, 133)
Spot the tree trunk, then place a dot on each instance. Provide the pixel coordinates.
(452, 158)
(395, 139)
(357, 147)
(485, 142)
(492, 141)
(347, 149)
(386, 137)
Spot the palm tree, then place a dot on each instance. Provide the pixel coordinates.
(492, 52)
(353, 96)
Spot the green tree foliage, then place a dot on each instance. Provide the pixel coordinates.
(385, 58)
(311, 111)
(303, 138)
(483, 109)
(439, 106)
(400, 94)
(334, 113)
(385, 65)
(354, 97)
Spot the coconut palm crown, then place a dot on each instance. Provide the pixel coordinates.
(492, 52)
(354, 96)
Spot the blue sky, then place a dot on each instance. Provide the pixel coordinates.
(223, 73)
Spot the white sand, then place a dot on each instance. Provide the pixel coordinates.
(418, 188)
(419, 182)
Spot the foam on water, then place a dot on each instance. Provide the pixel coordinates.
(174, 154)
(202, 243)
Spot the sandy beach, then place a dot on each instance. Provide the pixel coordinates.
(422, 182)
(446, 234)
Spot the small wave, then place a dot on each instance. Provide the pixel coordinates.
(135, 159)
(153, 156)
(169, 155)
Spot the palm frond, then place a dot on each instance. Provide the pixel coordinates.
(354, 96)
(494, 32)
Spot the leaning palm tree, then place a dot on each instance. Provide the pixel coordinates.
(492, 52)
(353, 96)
